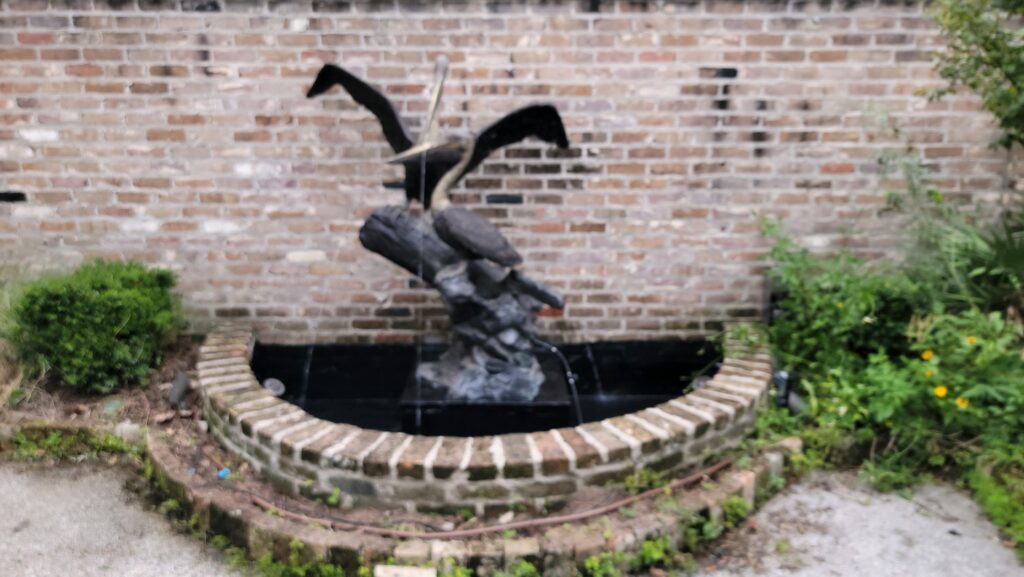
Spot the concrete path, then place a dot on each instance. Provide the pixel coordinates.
(80, 520)
(832, 525)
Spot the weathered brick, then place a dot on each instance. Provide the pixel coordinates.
(376, 464)
(481, 461)
(553, 458)
(449, 457)
(657, 190)
(615, 448)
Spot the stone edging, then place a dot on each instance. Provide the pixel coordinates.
(302, 454)
(556, 551)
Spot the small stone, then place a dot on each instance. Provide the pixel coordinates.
(442, 550)
(185, 413)
(112, 408)
(203, 427)
(506, 517)
(180, 387)
(790, 445)
(776, 464)
(398, 571)
(275, 386)
(528, 548)
(128, 431)
(161, 418)
(415, 551)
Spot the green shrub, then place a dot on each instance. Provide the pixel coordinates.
(837, 310)
(926, 386)
(102, 326)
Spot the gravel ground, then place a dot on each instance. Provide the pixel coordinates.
(82, 521)
(832, 525)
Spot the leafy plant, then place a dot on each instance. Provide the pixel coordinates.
(983, 54)
(653, 553)
(452, 570)
(643, 480)
(1003, 501)
(836, 310)
(606, 564)
(335, 497)
(734, 510)
(711, 530)
(957, 261)
(295, 566)
(104, 325)
(35, 444)
(521, 569)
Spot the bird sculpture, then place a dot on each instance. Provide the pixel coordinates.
(435, 155)
(491, 303)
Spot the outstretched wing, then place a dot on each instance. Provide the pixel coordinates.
(540, 121)
(363, 93)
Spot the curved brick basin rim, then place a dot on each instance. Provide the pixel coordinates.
(302, 454)
(556, 551)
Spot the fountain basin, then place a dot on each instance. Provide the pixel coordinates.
(304, 454)
(374, 386)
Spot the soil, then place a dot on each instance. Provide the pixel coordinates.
(46, 399)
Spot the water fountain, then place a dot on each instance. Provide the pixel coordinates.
(498, 417)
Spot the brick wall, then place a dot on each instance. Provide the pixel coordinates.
(177, 133)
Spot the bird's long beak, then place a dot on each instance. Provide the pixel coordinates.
(440, 74)
(424, 148)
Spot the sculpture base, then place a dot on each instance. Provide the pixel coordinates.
(429, 411)
(476, 376)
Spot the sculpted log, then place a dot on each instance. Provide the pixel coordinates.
(491, 308)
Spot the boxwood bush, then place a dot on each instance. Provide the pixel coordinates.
(103, 326)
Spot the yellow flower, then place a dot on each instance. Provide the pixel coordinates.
(927, 355)
(941, 391)
(928, 373)
(840, 305)
(962, 402)
(971, 341)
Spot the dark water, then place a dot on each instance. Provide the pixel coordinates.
(372, 386)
